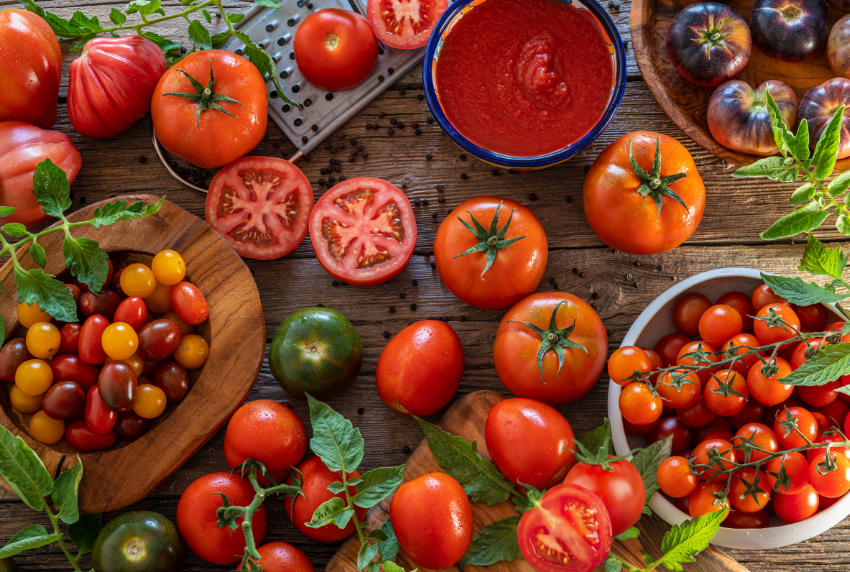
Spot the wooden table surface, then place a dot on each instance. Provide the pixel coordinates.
(619, 286)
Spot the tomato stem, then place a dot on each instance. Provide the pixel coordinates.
(61, 541)
(490, 240)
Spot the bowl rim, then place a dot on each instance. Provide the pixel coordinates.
(778, 536)
(618, 89)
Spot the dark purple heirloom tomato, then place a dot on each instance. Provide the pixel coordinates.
(738, 116)
(790, 30)
(838, 47)
(709, 43)
(820, 104)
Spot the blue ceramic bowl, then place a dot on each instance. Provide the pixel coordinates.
(432, 52)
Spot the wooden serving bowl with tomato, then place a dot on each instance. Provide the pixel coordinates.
(235, 331)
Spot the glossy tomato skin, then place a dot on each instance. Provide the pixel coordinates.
(219, 139)
(335, 49)
(622, 490)
(363, 231)
(22, 148)
(621, 217)
(189, 303)
(132, 311)
(792, 31)
(91, 334)
(317, 477)
(282, 557)
(818, 106)
(196, 518)
(682, 434)
(70, 341)
(31, 68)
(244, 192)
(131, 426)
(399, 27)
(158, 340)
(432, 518)
(688, 310)
(173, 379)
(420, 370)
(743, 304)
(517, 346)
(81, 438)
(798, 506)
(530, 442)
(743, 520)
(111, 84)
(669, 346)
(68, 367)
(117, 386)
(139, 541)
(13, 354)
(517, 269)
(105, 303)
(64, 400)
(99, 418)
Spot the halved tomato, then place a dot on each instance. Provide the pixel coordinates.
(363, 231)
(404, 24)
(261, 206)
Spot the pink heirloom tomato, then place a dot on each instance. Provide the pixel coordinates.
(838, 46)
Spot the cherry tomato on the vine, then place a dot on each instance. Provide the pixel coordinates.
(719, 323)
(740, 492)
(627, 361)
(830, 478)
(726, 392)
(704, 499)
(639, 405)
(760, 436)
(675, 477)
(697, 415)
(784, 330)
(678, 388)
(806, 425)
(700, 354)
(703, 454)
(769, 390)
(798, 506)
(763, 295)
(669, 346)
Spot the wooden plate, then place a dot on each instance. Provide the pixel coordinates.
(686, 103)
(121, 476)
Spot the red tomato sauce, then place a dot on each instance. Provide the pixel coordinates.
(524, 77)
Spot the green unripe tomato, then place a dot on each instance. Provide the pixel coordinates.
(140, 541)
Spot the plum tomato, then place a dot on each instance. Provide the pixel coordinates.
(743, 343)
(738, 117)
(678, 388)
(105, 303)
(404, 25)
(669, 346)
(34, 377)
(834, 481)
(317, 477)
(806, 425)
(753, 412)
(91, 336)
(701, 354)
(80, 437)
(68, 367)
(819, 105)
(621, 489)
(763, 295)
(29, 314)
(726, 392)
(675, 477)
(168, 267)
(132, 311)
(138, 280)
(197, 520)
(43, 340)
(798, 506)
(530, 442)
(792, 31)
(702, 500)
(99, 418)
(64, 400)
(529, 367)
(45, 429)
(117, 385)
(697, 415)
(687, 312)
(813, 318)
(719, 323)
(432, 518)
(130, 426)
(335, 49)
(491, 266)
(709, 43)
(173, 379)
(268, 432)
(782, 330)
(627, 361)
(315, 351)
(23, 402)
(739, 490)
(189, 303)
(139, 541)
(703, 454)
(12, 355)
(566, 516)
(192, 351)
(70, 339)
(420, 369)
(158, 340)
(363, 231)
(755, 435)
(838, 45)
(682, 434)
(282, 557)
(743, 304)
(746, 520)
(150, 401)
(160, 301)
(769, 390)
(120, 340)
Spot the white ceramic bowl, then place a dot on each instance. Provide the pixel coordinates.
(657, 321)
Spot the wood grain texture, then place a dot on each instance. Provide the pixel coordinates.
(235, 331)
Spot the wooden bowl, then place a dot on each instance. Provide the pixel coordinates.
(686, 103)
(123, 475)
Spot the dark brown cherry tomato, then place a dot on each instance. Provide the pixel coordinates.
(709, 43)
(173, 379)
(117, 386)
(790, 30)
(104, 303)
(743, 304)
(189, 303)
(669, 347)
(64, 400)
(132, 311)
(813, 318)
(633, 429)
(740, 519)
(91, 334)
(68, 367)
(682, 434)
(130, 426)
(753, 412)
(820, 104)
(81, 438)
(76, 292)
(115, 284)
(688, 310)
(13, 354)
(70, 339)
(158, 340)
(99, 418)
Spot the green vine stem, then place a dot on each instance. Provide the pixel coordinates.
(55, 522)
(181, 14)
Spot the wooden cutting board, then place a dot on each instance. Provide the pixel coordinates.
(466, 418)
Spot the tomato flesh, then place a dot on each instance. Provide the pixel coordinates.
(404, 24)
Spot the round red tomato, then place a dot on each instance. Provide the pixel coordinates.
(764, 295)
(80, 437)
(833, 483)
(363, 231)
(705, 499)
(197, 521)
(511, 259)
(530, 442)
(261, 206)
(406, 24)
(795, 507)
(282, 557)
(528, 364)
(682, 434)
(22, 148)
(432, 518)
(768, 334)
(669, 346)
(622, 490)
(769, 390)
(569, 530)
(630, 221)
(743, 304)
(688, 310)
(335, 49)
(111, 84)
(31, 68)
(214, 138)
(269, 432)
(719, 323)
(420, 370)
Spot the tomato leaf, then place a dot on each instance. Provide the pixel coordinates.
(647, 461)
(84, 532)
(367, 552)
(110, 213)
(803, 219)
(15, 229)
(234, 18)
(88, 263)
(117, 17)
(777, 124)
(220, 39)
(331, 511)
(164, 44)
(66, 491)
(267, 4)
(822, 261)
(51, 188)
(798, 145)
(802, 293)
(2, 328)
(803, 194)
(6, 211)
(595, 438)
(206, 16)
(770, 167)
(265, 64)
(684, 541)
(199, 35)
(52, 295)
(826, 149)
(91, 26)
(389, 548)
(376, 485)
(34, 536)
(828, 364)
(38, 254)
(612, 564)
(497, 542)
(145, 7)
(335, 440)
(23, 470)
(60, 26)
(842, 224)
(393, 567)
(480, 478)
(633, 532)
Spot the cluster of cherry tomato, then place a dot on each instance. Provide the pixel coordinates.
(720, 408)
(107, 378)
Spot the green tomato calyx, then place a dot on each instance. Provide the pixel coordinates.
(206, 97)
(652, 183)
(490, 240)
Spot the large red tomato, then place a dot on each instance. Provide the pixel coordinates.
(30, 69)
(111, 84)
(529, 341)
(621, 489)
(405, 24)
(420, 369)
(635, 212)
(282, 557)
(363, 231)
(22, 148)
(432, 518)
(261, 206)
(197, 520)
(224, 130)
(509, 258)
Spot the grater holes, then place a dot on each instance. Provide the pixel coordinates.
(298, 121)
(308, 102)
(296, 88)
(329, 96)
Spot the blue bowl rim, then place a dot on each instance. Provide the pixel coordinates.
(508, 160)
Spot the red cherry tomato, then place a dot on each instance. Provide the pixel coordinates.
(812, 453)
(763, 295)
(639, 405)
(702, 500)
(806, 424)
(117, 385)
(767, 334)
(99, 418)
(64, 400)
(833, 483)
(633, 429)
(130, 426)
(78, 436)
(718, 424)
(813, 318)
(669, 346)
(835, 412)
(657, 363)
(688, 355)
(701, 457)
(399, 25)
(753, 412)
(769, 390)
(189, 303)
(761, 436)
(678, 388)
(796, 507)
(70, 339)
(803, 350)
(627, 361)
(105, 303)
(68, 367)
(746, 520)
(132, 311)
(682, 434)
(90, 347)
(697, 415)
(622, 490)
(738, 490)
(742, 342)
(726, 392)
(687, 312)
(158, 340)
(743, 304)
(719, 323)
(675, 477)
(282, 557)
(819, 395)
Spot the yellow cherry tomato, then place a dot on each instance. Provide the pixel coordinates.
(43, 340)
(23, 402)
(185, 329)
(46, 430)
(150, 401)
(119, 341)
(168, 267)
(34, 377)
(160, 301)
(135, 361)
(29, 315)
(138, 280)
(192, 352)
